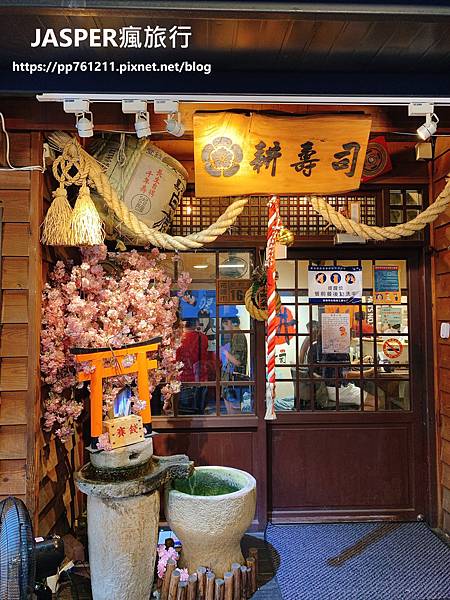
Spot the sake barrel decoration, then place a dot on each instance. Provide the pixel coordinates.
(149, 182)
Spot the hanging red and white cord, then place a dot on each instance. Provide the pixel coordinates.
(273, 229)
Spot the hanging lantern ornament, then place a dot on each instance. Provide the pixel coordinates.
(286, 236)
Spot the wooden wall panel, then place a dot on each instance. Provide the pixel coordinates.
(14, 273)
(16, 206)
(13, 408)
(21, 260)
(13, 442)
(313, 479)
(222, 448)
(14, 306)
(16, 239)
(12, 478)
(441, 301)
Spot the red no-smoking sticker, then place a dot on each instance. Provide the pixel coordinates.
(392, 348)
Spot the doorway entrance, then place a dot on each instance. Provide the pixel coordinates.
(350, 438)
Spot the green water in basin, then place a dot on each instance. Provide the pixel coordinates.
(207, 483)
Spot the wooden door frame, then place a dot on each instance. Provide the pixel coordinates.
(422, 415)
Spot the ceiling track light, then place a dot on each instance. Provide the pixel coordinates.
(429, 128)
(174, 126)
(142, 124)
(84, 124)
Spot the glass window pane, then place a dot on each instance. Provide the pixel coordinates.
(196, 400)
(285, 396)
(392, 318)
(286, 274)
(235, 356)
(411, 213)
(393, 395)
(302, 274)
(413, 197)
(234, 317)
(395, 197)
(396, 216)
(367, 275)
(287, 297)
(285, 353)
(285, 373)
(237, 399)
(197, 352)
(200, 265)
(392, 350)
(402, 268)
(235, 265)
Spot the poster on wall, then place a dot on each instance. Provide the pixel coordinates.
(260, 154)
(390, 319)
(386, 285)
(198, 303)
(338, 285)
(335, 333)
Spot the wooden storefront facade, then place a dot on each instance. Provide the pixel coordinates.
(310, 465)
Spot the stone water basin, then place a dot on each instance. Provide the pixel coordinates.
(209, 513)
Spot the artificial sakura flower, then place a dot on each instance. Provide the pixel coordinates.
(85, 306)
(163, 556)
(138, 405)
(103, 442)
(184, 574)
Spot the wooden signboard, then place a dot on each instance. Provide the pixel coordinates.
(230, 291)
(257, 154)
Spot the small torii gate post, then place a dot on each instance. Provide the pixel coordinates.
(141, 365)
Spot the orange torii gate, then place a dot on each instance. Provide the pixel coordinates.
(96, 357)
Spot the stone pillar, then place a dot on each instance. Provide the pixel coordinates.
(123, 515)
(123, 534)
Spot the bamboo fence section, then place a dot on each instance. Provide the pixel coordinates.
(237, 584)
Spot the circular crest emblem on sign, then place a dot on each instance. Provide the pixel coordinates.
(392, 348)
(376, 160)
(222, 157)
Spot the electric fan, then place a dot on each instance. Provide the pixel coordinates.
(24, 561)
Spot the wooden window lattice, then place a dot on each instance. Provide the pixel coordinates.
(195, 214)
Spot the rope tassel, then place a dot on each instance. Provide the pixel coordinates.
(86, 227)
(57, 222)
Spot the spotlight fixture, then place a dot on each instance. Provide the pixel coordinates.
(142, 124)
(139, 108)
(174, 126)
(85, 125)
(429, 128)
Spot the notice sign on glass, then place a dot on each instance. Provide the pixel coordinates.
(262, 154)
(334, 285)
(335, 333)
(386, 285)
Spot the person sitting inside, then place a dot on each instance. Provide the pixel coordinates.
(336, 379)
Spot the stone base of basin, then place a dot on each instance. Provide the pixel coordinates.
(210, 527)
(123, 517)
(123, 534)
